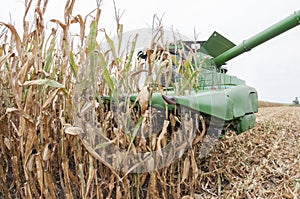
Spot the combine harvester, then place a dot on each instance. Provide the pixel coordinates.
(225, 99)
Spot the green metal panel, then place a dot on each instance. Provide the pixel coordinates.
(246, 122)
(215, 103)
(244, 99)
(225, 104)
(216, 45)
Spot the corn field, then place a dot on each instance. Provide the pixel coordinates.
(53, 116)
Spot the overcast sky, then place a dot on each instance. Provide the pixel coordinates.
(272, 68)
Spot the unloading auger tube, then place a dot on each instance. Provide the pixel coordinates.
(269, 33)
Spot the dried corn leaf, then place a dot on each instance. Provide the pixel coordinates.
(16, 36)
(46, 82)
(39, 172)
(20, 112)
(31, 163)
(186, 169)
(7, 143)
(72, 130)
(143, 98)
(152, 191)
(161, 137)
(50, 98)
(47, 152)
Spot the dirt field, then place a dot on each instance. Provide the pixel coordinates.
(263, 162)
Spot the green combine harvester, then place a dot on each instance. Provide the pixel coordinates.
(224, 101)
